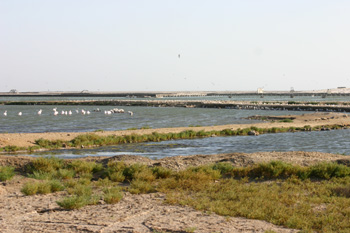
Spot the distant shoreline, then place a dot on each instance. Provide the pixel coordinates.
(324, 106)
(340, 91)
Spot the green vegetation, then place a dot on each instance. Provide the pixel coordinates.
(286, 120)
(91, 139)
(99, 130)
(50, 186)
(144, 127)
(112, 195)
(314, 198)
(6, 173)
(12, 149)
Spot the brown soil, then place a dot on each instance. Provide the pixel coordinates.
(147, 212)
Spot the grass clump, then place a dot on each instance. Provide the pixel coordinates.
(32, 188)
(44, 143)
(6, 173)
(138, 186)
(11, 148)
(288, 120)
(112, 195)
(115, 171)
(45, 164)
(74, 202)
(84, 167)
(328, 170)
(29, 188)
(65, 174)
(273, 169)
(80, 190)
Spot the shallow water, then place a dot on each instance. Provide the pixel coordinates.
(153, 117)
(336, 141)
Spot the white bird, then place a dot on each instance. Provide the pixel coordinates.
(77, 111)
(70, 112)
(66, 113)
(20, 114)
(130, 113)
(55, 113)
(5, 113)
(88, 112)
(83, 112)
(40, 111)
(62, 112)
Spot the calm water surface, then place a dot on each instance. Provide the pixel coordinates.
(337, 141)
(153, 117)
(325, 141)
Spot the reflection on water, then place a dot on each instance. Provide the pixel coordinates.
(337, 141)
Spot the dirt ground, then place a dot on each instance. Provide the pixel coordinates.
(146, 212)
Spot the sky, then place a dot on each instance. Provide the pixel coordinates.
(174, 45)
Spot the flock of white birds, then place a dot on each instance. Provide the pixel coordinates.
(77, 111)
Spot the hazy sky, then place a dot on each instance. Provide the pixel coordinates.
(119, 45)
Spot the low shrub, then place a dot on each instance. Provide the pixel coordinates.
(29, 188)
(32, 188)
(46, 164)
(42, 175)
(74, 202)
(161, 172)
(112, 195)
(224, 168)
(288, 120)
(80, 190)
(328, 170)
(273, 169)
(84, 167)
(65, 174)
(140, 186)
(6, 173)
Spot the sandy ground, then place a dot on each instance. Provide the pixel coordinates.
(28, 139)
(147, 212)
(135, 213)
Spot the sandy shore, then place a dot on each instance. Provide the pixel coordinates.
(316, 119)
